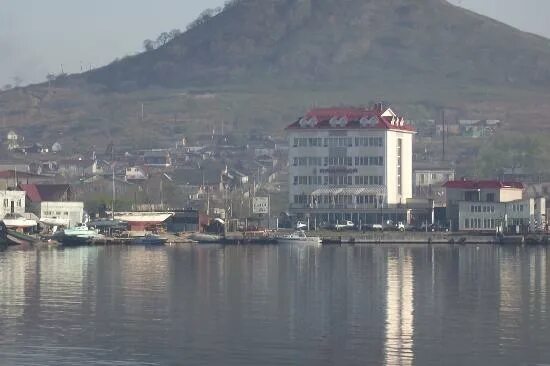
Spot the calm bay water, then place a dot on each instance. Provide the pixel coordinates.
(277, 305)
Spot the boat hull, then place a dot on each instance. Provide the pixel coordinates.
(206, 238)
(75, 241)
(150, 241)
(308, 241)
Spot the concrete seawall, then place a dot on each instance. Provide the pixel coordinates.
(413, 238)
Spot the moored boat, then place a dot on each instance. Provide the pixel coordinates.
(298, 237)
(17, 221)
(80, 235)
(206, 238)
(150, 239)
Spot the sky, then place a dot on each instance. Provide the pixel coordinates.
(38, 37)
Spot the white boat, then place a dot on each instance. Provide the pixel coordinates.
(53, 221)
(80, 235)
(143, 217)
(298, 237)
(206, 238)
(16, 221)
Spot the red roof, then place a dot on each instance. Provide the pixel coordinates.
(353, 116)
(44, 192)
(482, 184)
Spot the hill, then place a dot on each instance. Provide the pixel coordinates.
(260, 63)
(335, 42)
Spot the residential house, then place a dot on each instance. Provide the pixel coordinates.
(78, 167)
(136, 174)
(479, 128)
(12, 202)
(157, 159)
(12, 178)
(13, 140)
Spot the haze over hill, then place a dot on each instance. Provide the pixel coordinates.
(260, 63)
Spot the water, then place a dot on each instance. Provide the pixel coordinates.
(285, 305)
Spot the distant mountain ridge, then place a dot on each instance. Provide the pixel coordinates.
(337, 42)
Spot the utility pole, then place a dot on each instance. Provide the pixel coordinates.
(443, 133)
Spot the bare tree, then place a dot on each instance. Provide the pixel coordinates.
(163, 38)
(149, 45)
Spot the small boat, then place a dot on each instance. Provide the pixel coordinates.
(206, 238)
(150, 239)
(298, 237)
(80, 235)
(17, 221)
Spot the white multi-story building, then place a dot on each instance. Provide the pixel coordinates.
(350, 164)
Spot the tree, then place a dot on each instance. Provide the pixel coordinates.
(148, 45)
(163, 38)
(174, 33)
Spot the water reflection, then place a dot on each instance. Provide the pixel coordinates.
(392, 305)
(398, 348)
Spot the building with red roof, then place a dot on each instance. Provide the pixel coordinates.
(349, 163)
(492, 205)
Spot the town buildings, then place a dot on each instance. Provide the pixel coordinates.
(493, 206)
(350, 164)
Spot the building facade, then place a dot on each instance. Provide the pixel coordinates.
(493, 206)
(350, 164)
(12, 202)
(70, 212)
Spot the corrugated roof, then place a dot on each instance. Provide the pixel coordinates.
(482, 184)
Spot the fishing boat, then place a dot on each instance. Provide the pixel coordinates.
(298, 237)
(80, 235)
(150, 239)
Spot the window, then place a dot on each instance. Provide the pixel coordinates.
(19, 203)
(490, 197)
(295, 180)
(467, 223)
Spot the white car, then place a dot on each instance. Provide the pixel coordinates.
(345, 225)
(301, 226)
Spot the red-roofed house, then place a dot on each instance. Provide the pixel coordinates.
(350, 164)
(492, 205)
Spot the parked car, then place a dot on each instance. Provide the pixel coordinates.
(373, 227)
(391, 226)
(301, 225)
(345, 225)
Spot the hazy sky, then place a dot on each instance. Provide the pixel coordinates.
(38, 36)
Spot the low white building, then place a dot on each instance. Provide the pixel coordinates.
(426, 178)
(70, 212)
(12, 202)
(515, 216)
(493, 206)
